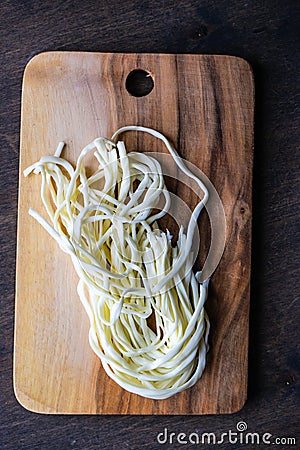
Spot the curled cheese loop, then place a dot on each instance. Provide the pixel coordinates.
(128, 268)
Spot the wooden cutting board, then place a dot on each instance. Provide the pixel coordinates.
(204, 104)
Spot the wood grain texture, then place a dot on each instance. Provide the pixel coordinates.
(204, 104)
(266, 38)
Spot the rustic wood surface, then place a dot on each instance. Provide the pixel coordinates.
(205, 105)
(265, 34)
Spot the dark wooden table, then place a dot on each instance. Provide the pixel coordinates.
(262, 32)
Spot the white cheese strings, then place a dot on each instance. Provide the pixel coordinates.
(128, 268)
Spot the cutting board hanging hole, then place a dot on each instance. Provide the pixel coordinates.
(139, 83)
